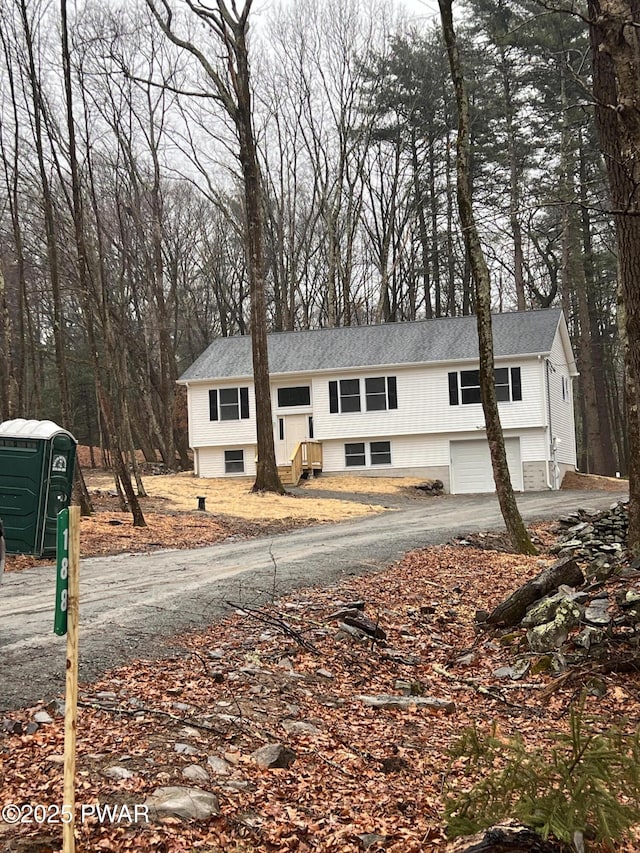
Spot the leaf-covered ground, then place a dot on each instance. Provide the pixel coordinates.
(362, 776)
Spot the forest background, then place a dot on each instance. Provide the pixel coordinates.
(355, 123)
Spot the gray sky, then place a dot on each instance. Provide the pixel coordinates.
(422, 8)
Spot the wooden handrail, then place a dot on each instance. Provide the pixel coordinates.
(297, 463)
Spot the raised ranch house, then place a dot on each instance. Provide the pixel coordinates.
(399, 399)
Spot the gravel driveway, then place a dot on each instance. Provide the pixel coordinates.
(132, 604)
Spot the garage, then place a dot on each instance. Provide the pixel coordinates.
(471, 470)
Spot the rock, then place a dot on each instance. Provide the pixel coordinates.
(631, 598)
(346, 631)
(300, 728)
(186, 749)
(324, 673)
(56, 707)
(218, 765)
(597, 612)
(195, 773)
(235, 785)
(13, 727)
(590, 636)
(519, 669)
(386, 701)
(545, 610)
(179, 801)
(369, 839)
(118, 773)
(551, 635)
(189, 731)
(42, 717)
(368, 626)
(273, 755)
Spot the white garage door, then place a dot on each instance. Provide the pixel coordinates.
(471, 470)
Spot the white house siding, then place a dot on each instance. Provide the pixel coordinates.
(411, 456)
(562, 421)
(423, 404)
(428, 456)
(211, 461)
(206, 433)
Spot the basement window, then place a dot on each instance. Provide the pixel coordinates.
(354, 455)
(380, 452)
(234, 462)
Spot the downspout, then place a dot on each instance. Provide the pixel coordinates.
(551, 482)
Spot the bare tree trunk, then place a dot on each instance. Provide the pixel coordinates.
(514, 183)
(7, 404)
(595, 335)
(234, 93)
(615, 45)
(17, 373)
(84, 278)
(86, 507)
(506, 498)
(49, 219)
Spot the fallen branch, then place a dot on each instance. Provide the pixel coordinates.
(141, 709)
(512, 610)
(483, 691)
(266, 618)
(505, 839)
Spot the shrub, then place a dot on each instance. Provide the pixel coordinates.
(584, 784)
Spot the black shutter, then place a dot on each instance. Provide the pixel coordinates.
(333, 396)
(392, 392)
(453, 389)
(516, 384)
(213, 405)
(244, 402)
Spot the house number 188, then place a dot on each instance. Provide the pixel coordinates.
(62, 573)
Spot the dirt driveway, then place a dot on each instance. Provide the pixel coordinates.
(132, 604)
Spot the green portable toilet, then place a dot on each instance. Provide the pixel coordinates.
(36, 480)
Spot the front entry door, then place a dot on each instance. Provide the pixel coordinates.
(291, 430)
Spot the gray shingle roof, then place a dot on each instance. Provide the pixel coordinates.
(419, 342)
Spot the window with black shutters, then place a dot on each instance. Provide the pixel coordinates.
(381, 393)
(234, 461)
(376, 389)
(464, 387)
(503, 390)
(470, 386)
(349, 395)
(229, 404)
(354, 455)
